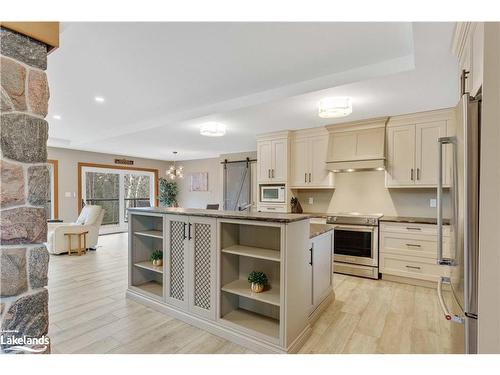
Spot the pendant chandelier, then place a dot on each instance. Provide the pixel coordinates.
(174, 172)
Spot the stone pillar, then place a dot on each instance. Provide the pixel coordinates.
(24, 184)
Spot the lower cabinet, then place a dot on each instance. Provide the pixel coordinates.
(190, 263)
(410, 250)
(321, 262)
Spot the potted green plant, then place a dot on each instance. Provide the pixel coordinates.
(157, 258)
(167, 192)
(258, 281)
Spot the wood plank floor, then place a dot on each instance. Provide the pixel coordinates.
(89, 313)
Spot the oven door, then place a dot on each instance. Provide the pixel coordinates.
(356, 244)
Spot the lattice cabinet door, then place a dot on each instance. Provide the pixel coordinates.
(202, 259)
(176, 259)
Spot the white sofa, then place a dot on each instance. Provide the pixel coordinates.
(90, 220)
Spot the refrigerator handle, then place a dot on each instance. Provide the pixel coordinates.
(441, 142)
(448, 316)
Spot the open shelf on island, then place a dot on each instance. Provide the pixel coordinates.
(150, 233)
(253, 252)
(149, 266)
(253, 321)
(152, 287)
(242, 288)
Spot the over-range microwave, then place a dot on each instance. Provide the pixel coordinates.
(272, 193)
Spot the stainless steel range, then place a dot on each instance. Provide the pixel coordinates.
(355, 243)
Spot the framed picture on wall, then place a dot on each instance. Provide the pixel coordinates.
(199, 181)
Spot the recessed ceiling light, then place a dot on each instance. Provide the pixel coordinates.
(338, 106)
(213, 129)
(57, 117)
(99, 99)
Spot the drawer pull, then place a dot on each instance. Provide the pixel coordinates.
(413, 228)
(413, 245)
(413, 267)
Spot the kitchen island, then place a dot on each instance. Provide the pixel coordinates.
(207, 256)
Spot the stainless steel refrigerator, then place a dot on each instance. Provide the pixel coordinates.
(458, 293)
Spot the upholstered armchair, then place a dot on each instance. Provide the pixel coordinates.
(90, 220)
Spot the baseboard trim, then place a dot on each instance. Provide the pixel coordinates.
(321, 307)
(218, 330)
(410, 281)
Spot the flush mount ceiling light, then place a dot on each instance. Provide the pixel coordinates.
(338, 106)
(56, 117)
(213, 129)
(99, 99)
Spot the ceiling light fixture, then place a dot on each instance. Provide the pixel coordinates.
(338, 106)
(174, 172)
(99, 99)
(213, 129)
(57, 117)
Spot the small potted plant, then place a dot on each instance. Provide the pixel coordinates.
(258, 281)
(157, 258)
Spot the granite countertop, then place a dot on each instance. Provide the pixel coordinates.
(410, 219)
(242, 215)
(317, 229)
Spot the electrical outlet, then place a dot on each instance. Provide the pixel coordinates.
(433, 202)
(311, 200)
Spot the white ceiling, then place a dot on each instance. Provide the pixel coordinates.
(160, 81)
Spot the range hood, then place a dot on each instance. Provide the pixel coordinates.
(357, 146)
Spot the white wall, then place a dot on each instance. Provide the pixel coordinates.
(366, 192)
(68, 174)
(196, 199)
(199, 199)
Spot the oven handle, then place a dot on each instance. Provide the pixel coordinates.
(356, 229)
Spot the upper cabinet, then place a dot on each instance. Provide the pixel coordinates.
(412, 148)
(308, 159)
(468, 46)
(272, 158)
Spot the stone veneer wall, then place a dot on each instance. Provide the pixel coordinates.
(24, 182)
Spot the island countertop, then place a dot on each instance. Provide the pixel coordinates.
(243, 215)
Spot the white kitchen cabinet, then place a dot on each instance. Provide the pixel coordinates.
(279, 160)
(468, 46)
(412, 148)
(401, 155)
(202, 266)
(426, 152)
(308, 160)
(409, 250)
(321, 262)
(190, 264)
(272, 158)
(264, 160)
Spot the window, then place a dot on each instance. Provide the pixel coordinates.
(116, 189)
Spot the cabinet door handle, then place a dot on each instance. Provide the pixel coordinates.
(309, 177)
(184, 232)
(413, 228)
(305, 177)
(413, 267)
(413, 245)
(311, 256)
(268, 173)
(418, 173)
(411, 174)
(189, 232)
(272, 173)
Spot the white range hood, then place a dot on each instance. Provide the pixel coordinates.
(357, 146)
